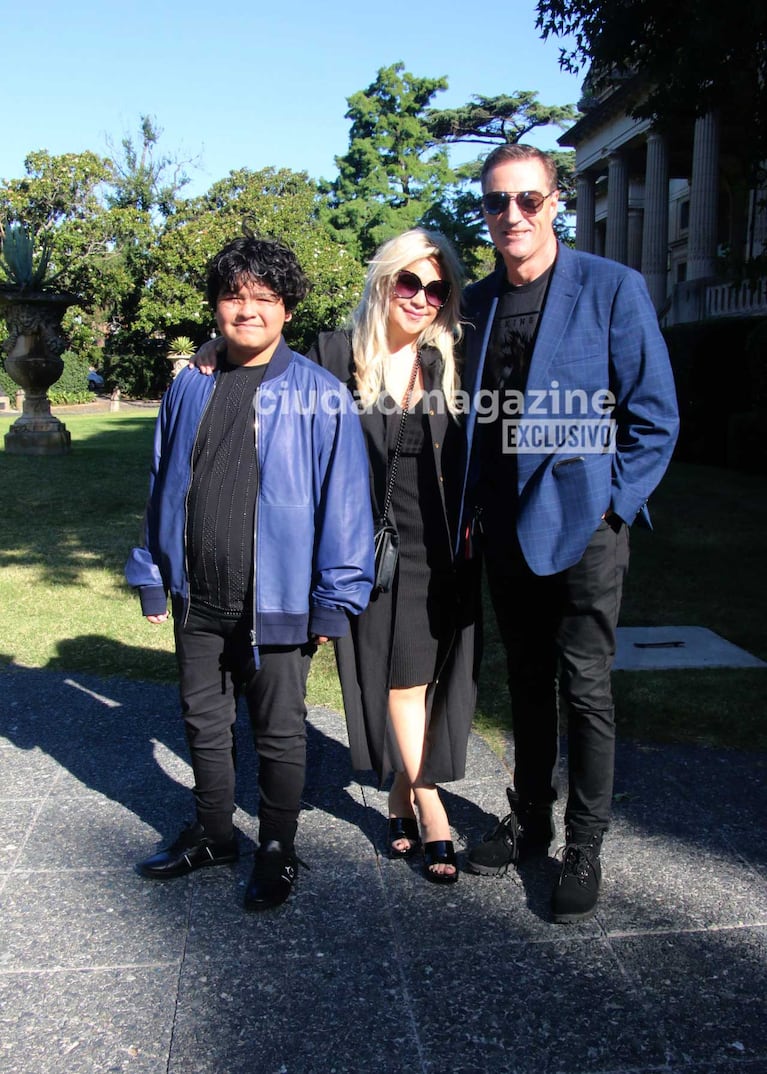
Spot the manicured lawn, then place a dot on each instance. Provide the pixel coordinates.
(67, 524)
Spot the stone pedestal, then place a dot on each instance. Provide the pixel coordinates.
(33, 350)
(38, 434)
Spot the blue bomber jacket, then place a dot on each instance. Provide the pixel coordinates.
(313, 539)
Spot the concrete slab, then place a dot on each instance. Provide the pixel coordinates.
(264, 1012)
(661, 648)
(120, 920)
(367, 968)
(706, 990)
(563, 1007)
(113, 1019)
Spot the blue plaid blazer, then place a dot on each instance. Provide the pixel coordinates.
(598, 333)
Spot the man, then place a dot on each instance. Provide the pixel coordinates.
(581, 427)
(254, 527)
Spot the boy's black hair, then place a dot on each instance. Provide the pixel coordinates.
(249, 258)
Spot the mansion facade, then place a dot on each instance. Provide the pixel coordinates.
(678, 209)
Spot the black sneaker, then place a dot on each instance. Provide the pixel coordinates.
(526, 830)
(577, 891)
(273, 876)
(192, 850)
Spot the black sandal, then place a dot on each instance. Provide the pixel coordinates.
(440, 852)
(403, 828)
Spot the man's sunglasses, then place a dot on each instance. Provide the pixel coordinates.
(531, 202)
(407, 285)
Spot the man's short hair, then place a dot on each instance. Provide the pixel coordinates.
(249, 259)
(507, 154)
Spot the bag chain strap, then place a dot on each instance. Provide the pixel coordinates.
(400, 434)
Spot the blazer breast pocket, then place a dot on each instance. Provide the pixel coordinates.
(571, 460)
(592, 357)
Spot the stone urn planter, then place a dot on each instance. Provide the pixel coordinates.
(33, 360)
(180, 353)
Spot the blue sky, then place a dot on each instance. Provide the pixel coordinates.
(237, 86)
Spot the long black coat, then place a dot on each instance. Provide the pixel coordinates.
(364, 655)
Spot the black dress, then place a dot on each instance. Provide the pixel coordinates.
(449, 658)
(425, 587)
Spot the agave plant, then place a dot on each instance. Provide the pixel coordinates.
(17, 260)
(181, 347)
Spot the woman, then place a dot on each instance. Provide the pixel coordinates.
(407, 667)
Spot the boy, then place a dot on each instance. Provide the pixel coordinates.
(256, 526)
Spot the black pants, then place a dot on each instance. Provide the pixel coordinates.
(216, 666)
(559, 632)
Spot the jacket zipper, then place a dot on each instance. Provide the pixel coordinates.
(188, 600)
(253, 636)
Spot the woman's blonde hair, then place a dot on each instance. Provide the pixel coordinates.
(371, 317)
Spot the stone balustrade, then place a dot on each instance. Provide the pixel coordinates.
(736, 300)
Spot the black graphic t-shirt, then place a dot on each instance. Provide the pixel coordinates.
(511, 340)
(507, 364)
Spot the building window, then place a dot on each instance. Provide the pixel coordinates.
(684, 215)
(681, 272)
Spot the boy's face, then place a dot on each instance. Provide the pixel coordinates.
(251, 319)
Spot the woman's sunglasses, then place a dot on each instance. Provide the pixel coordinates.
(531, 202)
(407, 285)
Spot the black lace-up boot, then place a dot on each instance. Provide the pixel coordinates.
(575, 896)
(526, 830)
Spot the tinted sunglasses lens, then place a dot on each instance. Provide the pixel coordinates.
(406, 285)
(437, 293)
(495, 202)
(530, 201)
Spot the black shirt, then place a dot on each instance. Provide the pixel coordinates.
(507, 364)
(222, 497)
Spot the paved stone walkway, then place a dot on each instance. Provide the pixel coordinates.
(368, 968)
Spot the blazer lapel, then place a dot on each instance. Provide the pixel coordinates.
(563, 293)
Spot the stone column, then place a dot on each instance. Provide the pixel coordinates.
(584, 217)
(616, 244)
(704, 199)
(757, 222)
(655, 233)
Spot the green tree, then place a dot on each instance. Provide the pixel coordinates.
(143, 194)
(392, 174)
(692, 56)
(497, 120)
(54, 189)
(490, 121)
(62, 198)
(142, 178)
(103, 218)
(277, 203)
